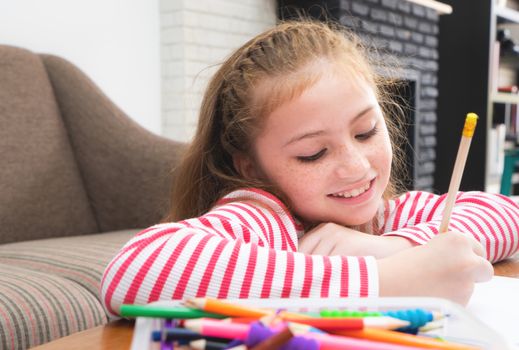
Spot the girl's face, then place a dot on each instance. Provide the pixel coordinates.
(328, 150)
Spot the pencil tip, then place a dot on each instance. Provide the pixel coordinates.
(386, 322)
(194, 325)
(197, 344)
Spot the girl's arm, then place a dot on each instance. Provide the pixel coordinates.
(492, 219)
(238, 250)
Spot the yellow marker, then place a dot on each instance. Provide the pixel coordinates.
(468, 131)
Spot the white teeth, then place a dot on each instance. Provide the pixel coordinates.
(353, 193)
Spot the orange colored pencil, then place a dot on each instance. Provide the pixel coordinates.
(292, 315)
(393, 337)
(225, 308)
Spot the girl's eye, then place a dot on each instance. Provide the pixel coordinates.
(313, 157)
(367, 135)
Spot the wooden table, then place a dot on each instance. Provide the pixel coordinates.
(508, 267)
(118, 335)
(115, 335)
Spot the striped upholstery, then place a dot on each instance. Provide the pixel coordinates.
(50, 288)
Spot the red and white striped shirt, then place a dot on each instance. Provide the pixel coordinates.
(246, 247)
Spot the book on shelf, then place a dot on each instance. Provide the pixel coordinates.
(494, 67)
(496, 151)
(512, 4)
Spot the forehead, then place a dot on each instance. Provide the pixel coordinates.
(271, 92)
(331, 106)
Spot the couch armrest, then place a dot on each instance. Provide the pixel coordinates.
(127, 170)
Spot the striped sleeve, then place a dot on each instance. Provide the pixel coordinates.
(492, 219)
(236, 250)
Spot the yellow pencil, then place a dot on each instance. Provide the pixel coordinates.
(459, 165)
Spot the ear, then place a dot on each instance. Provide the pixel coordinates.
(245, 166)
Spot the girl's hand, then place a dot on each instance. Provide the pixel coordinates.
(332, 239)
(447, 266)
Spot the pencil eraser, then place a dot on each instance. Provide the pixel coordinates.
(470, 124)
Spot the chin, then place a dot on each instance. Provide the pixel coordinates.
(357, 220)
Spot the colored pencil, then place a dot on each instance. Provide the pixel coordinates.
(203, 344)
(459, 165)
(246, 320)
(415, 316)
(166, 346)
(238, 347)
(348, 313)
(430, 326)
(156, 311)
(216, 328)
(175, 334)
(182, 334)
(386, 336)
(226, 308)
(351, 323)
(275, 341)
(293, 315)
(334, 342)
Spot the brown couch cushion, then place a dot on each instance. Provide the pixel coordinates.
(81, 259)
(36, 307)
(41, 191)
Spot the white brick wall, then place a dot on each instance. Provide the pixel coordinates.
(197, 35)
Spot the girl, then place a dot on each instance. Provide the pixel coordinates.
(287, 191)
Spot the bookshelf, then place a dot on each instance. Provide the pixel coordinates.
(471, 70)
(503, 136)
(500, 97)
(505, 14)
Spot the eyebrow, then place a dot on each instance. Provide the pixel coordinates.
(320, 132)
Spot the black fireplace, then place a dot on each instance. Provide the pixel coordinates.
(409, 33)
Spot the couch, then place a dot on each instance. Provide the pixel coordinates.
(78, 178)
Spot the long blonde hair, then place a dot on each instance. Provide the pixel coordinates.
(229, 118)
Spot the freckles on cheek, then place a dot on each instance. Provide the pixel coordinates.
(381, 152)
(291, 176)
(303, 181)
(306, 170)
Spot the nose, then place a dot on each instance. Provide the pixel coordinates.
(352, 163)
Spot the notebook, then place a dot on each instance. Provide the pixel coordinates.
(496, 304)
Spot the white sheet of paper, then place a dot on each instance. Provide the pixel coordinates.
(496, 303)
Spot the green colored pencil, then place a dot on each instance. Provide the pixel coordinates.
(173, 312)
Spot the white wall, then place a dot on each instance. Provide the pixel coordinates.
(197, 35)
(115, 42)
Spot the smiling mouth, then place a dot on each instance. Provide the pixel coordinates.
(352, 193)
